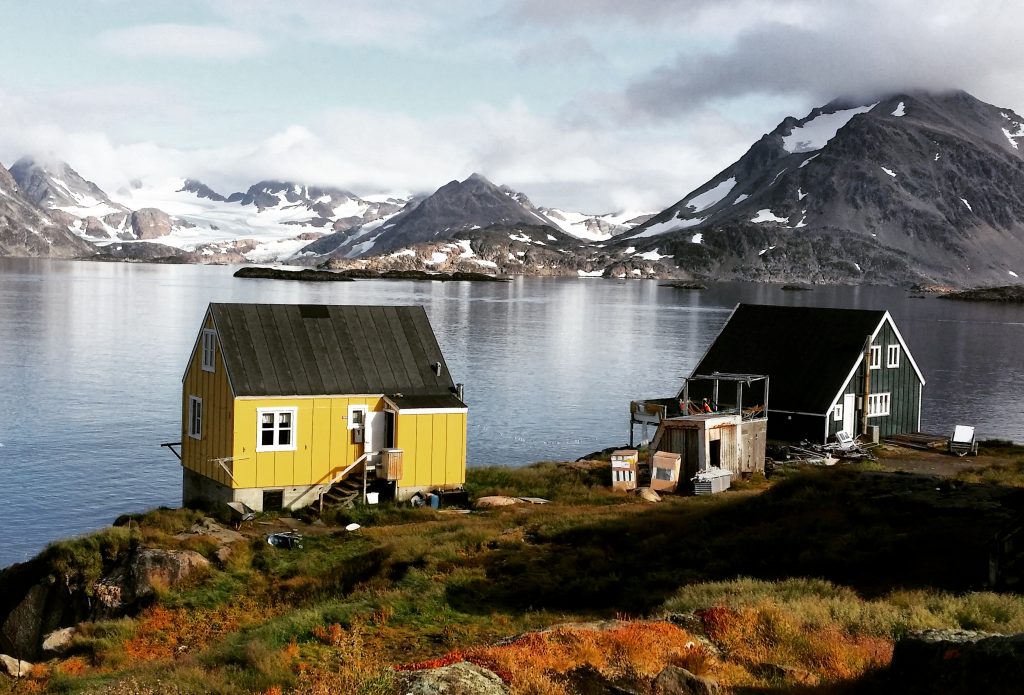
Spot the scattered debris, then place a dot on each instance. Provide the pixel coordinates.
(711, 481)
(241, 513)
(286, 539)
(963, 442)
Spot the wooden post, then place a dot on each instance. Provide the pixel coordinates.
(867, 387)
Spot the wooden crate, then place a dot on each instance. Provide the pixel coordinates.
(390, 464)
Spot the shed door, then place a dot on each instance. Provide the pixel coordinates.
(849, 408)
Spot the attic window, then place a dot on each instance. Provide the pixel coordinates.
(209, 350)
(892, 355)
(314, 311)
(875, 357)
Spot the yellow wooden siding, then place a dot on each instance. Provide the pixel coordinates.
(455, 459)
(434, 448)
(218, 412)
(323, 442)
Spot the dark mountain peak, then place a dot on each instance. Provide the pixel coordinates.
(935, 178)
(201, 190)
(455, 208)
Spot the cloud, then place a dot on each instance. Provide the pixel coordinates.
(566, 51)
(182, 42)
(856, 49)
(353, 22)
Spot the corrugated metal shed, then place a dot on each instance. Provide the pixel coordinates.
(305, 350)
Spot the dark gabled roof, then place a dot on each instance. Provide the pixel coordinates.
(308, 350)
(808, 353)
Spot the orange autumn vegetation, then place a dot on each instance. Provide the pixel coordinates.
(766, 635)
(534, 662)
(164, 633)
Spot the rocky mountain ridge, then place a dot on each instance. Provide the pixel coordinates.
(25, 230)
(911, 187)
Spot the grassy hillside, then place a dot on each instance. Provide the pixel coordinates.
(802, 581)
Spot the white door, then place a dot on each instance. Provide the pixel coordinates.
(849, 410)
(373, 436)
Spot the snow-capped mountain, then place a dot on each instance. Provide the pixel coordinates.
(455, 208)
(596, 227)
(268, 222)
(26, 230)
(912, 187)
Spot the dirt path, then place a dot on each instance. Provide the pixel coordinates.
(937, 463)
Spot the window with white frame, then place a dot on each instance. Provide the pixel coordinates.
(195, 417)
(837, 412)
(209, 349)
(892, 355)
(276, 429)
(878, 404)
(875, 357)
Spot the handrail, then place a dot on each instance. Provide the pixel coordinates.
(345, 472)
(340, 476)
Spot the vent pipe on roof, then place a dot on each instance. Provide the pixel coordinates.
(460, 392)
(437, 368)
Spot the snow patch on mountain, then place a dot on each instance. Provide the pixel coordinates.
(651, 255)
(766, 215)
(669, 226)
(889, 171)
(815, 133)
(702, 201)
(900, 111)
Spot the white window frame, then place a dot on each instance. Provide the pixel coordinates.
(352, 410)
(879, 404)
(195, 417)
(892, 355)
(837, 413)
(208, 348)
(277, 429)
(875, 357)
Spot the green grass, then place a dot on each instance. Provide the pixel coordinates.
(548, 480)
(861, 552)
(817, 603)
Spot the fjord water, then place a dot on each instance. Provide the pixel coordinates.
(92, 354)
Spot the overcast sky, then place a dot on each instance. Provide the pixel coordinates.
(596, 105)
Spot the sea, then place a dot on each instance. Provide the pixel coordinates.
(92, 356)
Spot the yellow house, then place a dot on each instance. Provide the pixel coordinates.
(286, 405)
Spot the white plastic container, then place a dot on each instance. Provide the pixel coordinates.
(372, 497)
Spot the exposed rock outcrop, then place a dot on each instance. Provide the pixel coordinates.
(151, 223)
(15, 668)
(674, 680)
(38, 603)
(957, 662)
(462, 678)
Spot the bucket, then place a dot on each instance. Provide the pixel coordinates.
(372, 497)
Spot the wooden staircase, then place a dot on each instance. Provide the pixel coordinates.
(347, 487)
(344, 494)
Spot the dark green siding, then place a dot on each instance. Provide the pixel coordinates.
(900, 382)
